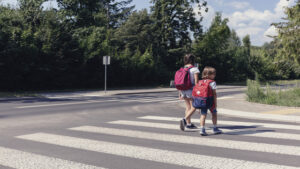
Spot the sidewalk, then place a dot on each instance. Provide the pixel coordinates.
(102, 93)
(237, 106)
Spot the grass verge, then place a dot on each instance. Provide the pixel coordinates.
(17, 94)
(255, 93)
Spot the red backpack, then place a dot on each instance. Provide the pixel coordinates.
(203, 94)
(182, 79)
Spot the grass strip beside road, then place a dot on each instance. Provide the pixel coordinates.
(255, 93)
(17, 94)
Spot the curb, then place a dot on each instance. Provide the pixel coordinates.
(108, 93)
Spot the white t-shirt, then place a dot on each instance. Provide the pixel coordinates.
(213, 85)
(193, 70)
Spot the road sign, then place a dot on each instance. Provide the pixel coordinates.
(106, 60)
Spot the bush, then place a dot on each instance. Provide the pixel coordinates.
(290, 97)
(254, 91)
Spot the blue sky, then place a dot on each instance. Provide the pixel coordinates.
(251, 17)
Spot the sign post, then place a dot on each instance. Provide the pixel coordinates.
(106, 61)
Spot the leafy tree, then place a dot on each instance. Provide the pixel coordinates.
(213, 47)
(174, 20)
(98, 13)
(288, 39)
(234, 40)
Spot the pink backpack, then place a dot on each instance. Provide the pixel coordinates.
(182, 79)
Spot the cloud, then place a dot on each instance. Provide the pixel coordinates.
(257, 23)
(207, 16)
(249, 30)
(239, 5)
(281, 5)
(271, 31)
(9, 2)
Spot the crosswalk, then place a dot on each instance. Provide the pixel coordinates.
(164, 130)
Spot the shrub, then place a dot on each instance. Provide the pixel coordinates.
(254, 91)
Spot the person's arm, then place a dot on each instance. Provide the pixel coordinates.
(196, 76)
(215, 97)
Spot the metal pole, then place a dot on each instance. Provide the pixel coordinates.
(106, 60)
(105, 77)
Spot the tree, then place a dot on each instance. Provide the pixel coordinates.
(212, 48)
(247, 44)
(98, 13)
(234, 40)
(288, 39)
(174, 19)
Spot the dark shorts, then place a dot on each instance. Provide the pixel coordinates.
(213, 110)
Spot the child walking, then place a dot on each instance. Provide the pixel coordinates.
(189, 61)
(208, 76)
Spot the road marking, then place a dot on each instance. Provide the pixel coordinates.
(157, 100)
(249, 133)
(260, 116)
(283, 111)
(151, 154)
(210, 142)
(225, 97)
(174, 101)
(232, 123)
(149, 100)
(23, 160)
(63, 104)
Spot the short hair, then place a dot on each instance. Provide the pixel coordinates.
(208, 71)
(189, 59)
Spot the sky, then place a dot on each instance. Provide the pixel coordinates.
(253, 17)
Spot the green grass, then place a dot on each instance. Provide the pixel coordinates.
(267, 95)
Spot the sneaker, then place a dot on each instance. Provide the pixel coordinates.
(203, 132)
(217, 131)
(182, 124)
(191, 126)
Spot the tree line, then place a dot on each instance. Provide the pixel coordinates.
(63, 48)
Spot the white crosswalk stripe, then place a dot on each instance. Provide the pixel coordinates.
(23, 160)
(145, 153)
(240, 145)
(19, 159)
(148, 100)
(250, 133)
(235, 123)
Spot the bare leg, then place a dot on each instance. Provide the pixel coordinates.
(202, 120)
(214, 118)
(187, 109)
(190, 113)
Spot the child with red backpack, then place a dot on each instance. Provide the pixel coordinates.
(204, 98)
(185, 79)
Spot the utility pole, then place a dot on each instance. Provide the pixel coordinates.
(106, 59)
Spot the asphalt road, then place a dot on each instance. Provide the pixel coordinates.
(136, 131)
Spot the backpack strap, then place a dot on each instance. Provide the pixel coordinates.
(205, 81)
(188, 68)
